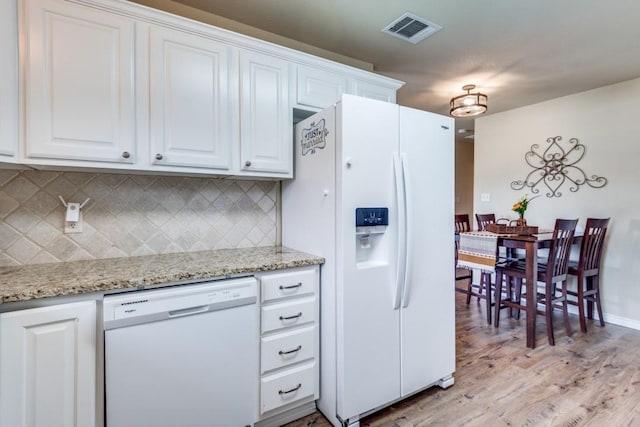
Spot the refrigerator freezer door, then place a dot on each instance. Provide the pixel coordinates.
(368, 326)
(427, 318)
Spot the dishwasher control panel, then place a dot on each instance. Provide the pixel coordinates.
(181, 300)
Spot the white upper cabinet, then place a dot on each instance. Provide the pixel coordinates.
(8, 80)
(115, 85)
(191, 100)
(319, 88)
(79, 83)
(266, 120)
(375, 91)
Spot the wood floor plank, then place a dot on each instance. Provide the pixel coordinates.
(590, 379)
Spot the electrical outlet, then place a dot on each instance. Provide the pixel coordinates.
(71, 227)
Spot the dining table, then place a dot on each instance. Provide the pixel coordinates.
(530, 244)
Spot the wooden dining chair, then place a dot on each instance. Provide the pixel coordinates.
(484, 219)
(482, 290)
(465, 276)
(462, 225)
(587, 270)
(554, 270)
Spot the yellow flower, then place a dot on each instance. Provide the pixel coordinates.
(521, 205)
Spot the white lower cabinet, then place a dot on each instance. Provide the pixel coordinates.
(296, 312)
(287, 386)
(289, 364)
(286, 348)
(48, 366)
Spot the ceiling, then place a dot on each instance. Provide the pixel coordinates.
(517, 52)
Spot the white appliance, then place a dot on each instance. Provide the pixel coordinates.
(183, 356)
(374, 194)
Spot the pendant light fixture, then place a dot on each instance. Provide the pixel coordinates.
(469, 104)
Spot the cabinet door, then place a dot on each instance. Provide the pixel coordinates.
(266, 121)
(191, 101)
(79, 83)
(8, 80)
(47, 366)
(373, 91)
(319, 88)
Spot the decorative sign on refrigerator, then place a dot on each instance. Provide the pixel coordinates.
(313, 138)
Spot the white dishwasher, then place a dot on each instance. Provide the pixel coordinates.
(184, 356)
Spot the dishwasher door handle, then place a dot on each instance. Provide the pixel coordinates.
(189, 311)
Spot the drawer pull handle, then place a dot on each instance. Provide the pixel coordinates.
(295, 316)
(297, 285)
(295, 350)
(291, 390)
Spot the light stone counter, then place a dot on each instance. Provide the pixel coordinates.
(30, 282)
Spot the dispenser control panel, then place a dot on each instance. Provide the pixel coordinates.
(371, 220)
(366, 217)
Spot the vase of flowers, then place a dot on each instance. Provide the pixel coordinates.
(521, 207)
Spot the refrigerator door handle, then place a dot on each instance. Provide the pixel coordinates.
(408, 214)
(401, 252)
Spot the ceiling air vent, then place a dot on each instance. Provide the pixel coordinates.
(411, 28)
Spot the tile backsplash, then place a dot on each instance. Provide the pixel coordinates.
(129, 215)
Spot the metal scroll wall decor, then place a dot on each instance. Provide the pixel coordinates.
(556, 166)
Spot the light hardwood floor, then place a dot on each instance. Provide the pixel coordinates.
(590, 379)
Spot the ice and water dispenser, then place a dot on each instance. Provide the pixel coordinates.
(371, 242)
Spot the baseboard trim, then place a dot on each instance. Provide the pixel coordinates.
(612, 319)
(622, 321)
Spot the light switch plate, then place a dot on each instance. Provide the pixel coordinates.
(485, 197)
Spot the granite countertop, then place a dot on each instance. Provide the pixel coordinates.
(29, 282)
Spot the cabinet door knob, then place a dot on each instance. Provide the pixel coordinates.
(158, 156)
(247, 163)
(125, 155)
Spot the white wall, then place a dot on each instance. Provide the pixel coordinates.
(607, 122)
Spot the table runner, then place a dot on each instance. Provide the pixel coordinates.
(478, 249)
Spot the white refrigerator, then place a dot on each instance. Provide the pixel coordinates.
(373, 193)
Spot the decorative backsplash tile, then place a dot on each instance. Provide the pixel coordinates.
(129, 215)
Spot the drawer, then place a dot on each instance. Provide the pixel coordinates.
(287, 348)
(288, 386)
(289, 284)
(291, 313)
